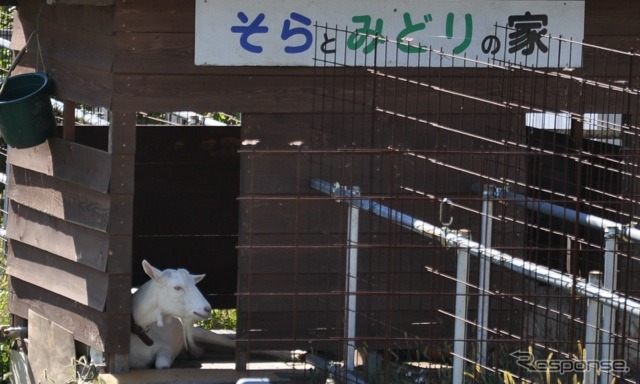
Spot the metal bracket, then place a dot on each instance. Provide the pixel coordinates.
(339, 192)
(449, 204)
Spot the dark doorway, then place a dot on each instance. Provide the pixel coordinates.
(185, 205)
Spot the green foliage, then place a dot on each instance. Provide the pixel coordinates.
(5, 362)
(221, 319)
(6, 23)
(4, 292)
(6, 58)
(5, 346)
(229, 119)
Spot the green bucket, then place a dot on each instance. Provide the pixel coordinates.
(26, 114)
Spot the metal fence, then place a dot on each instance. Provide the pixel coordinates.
(523, 177)
(6, 57)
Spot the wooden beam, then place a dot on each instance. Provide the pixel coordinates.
(100, 3)
(122, 150)
(69, 121)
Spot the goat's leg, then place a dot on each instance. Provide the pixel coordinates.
(164, 358)
(211, 338)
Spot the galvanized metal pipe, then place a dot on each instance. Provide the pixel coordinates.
(460, 322)
(591, 331)
(526, 268)
(484, 283)
(567, 214)
(611, 283)
(351, 284)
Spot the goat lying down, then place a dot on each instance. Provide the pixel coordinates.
(169, 341)
(164, 311)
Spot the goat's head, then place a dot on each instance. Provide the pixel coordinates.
(177, 294)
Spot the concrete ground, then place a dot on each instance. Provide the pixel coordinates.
(219, 368)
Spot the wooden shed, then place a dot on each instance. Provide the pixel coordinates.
(87, 206)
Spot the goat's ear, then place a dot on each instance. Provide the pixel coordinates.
(150, 270)
(197, 278)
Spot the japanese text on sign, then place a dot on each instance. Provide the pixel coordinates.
(283, 33)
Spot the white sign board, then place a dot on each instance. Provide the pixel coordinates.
(293, 32)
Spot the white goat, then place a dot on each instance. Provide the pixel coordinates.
(167, 306)
(164, 311)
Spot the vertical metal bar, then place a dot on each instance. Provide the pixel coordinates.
(591, 332)
(5, 204)
(569, 258)
(485, 276)
(460, 328)
(5, 219)
(611, 283)
(351, 285)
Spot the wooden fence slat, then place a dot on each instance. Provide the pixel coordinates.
(88, 325)
(69, 161)
(72, 280)
(59, 198)
(70, 241)
(51, 349)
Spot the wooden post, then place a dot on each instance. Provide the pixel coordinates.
(122, 148)
(69, 121)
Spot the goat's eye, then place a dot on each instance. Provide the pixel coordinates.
(177, 288)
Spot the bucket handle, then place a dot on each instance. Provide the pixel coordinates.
(16, 60)
(24, 49)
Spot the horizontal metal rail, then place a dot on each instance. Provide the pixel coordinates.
(563, 213)
(453, 239)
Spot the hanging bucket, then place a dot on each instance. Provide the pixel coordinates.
(26, 114)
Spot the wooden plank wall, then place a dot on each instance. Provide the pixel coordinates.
(77, 47)
(60, 216)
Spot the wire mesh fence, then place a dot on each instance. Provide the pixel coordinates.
(538, 163)
(474, 219)
(6, 58)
